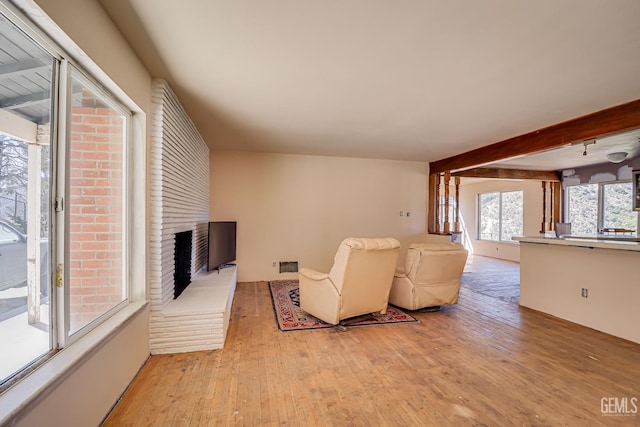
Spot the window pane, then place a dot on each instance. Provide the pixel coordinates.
(25, 97)
(451, 214)
(512, 217)
(617, 204)
(489, 216)
(96, 205)
(583, 208)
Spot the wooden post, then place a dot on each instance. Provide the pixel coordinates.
(33, 233)
(432, 216)
(557, 193)
(544, 207)
(551, 198)
(438, 204)
(447, 226)
(456, 225)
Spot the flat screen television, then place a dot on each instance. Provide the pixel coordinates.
(222, 244)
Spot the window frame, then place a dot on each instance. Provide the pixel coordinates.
(65, 53)
(600, 202)
(30, 30)
(65, 336)
(479, 216)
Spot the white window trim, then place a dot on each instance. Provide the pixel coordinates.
(64, 335)
(52, 371)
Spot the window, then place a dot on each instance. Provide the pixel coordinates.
(96, 204)
(489, 213)
(500, 215)
(617, 206)
(63, 162)
(26, 83)
(451, 215)
(582, 208)
(593, 207)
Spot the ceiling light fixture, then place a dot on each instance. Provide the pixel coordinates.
(617, 157)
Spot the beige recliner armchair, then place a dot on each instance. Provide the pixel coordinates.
(358, 283)
(431, 276)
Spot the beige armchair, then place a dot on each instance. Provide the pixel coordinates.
(431, 276)
(358, 283)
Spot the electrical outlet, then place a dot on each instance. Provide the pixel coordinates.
(401, 213)
(274, 264)
(585, 293)
(408, 213)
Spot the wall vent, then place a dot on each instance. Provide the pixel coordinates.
(288, 266)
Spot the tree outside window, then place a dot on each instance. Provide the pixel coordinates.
(583, 208)
(594, 207)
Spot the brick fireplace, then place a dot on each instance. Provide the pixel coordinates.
(182, 262)
(179, 203)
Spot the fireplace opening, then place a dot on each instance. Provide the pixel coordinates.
(182, 258)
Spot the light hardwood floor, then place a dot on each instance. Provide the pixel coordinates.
(485, 361)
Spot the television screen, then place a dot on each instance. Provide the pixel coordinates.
(222, 244)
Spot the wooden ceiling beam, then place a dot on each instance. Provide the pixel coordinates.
(503, 173)
(613, 120)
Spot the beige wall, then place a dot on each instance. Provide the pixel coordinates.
(86, 23)
(469, 191)
(299, 208)
(92, 386)
(87, 394)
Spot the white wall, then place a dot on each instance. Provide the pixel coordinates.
(607, 171)
(469, 190)
(299, 208)
(552, 278)
(88, 392)
(86, 23)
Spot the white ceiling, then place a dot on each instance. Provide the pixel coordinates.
(409, 80)
(573, 155)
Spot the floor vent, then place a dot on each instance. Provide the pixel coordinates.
(288, 266)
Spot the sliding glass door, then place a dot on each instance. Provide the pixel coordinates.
(27, 80)
(64, 200)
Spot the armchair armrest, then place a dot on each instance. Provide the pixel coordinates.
(319, 296)
(399, 272)
(312, 274)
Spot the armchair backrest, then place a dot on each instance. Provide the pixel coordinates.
(363, 270)
(429, 263)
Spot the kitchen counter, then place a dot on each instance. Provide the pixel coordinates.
(602, 242)
(590, 281)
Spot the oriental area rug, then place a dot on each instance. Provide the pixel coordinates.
(285, 296)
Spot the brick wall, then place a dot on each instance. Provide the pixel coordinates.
(96, 209)
(179, 163)
(179, 201)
